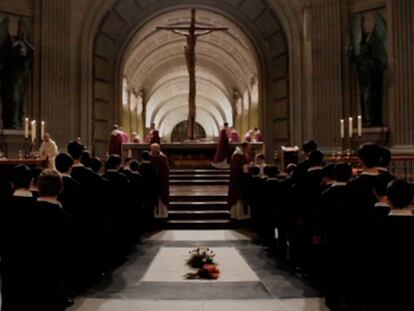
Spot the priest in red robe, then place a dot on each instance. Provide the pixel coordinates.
(148, 138)
(234, 136)
(239, 164)
(115, 141)
(155, 138)
(223, 149)
(125, 136)
(248, 137)
(160, 161)
(258, 136)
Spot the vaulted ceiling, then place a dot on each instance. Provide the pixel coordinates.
(154, 61)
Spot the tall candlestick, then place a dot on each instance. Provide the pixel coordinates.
(33, 131)
(342, 128)
(351, 129)
(359, 126)
(42, 130)
(26, 128)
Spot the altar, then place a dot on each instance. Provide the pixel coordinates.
(186, 155)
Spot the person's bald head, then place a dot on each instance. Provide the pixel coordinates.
(155, 148)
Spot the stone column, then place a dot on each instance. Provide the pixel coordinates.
(54, 75)
(402, 73)
(326, 78)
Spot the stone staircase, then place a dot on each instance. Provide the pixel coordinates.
(198, 199)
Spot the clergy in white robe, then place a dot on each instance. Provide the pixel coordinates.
(48, 150)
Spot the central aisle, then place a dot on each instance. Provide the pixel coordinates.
(152, 279)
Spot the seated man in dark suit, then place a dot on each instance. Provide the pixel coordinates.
(307, 193)
(270, 205)
(70, 196)
(333, 229)
(96, 165)
(16, 228)
(328, 178)
(136, 189)
(54, 242)
(119, 207)
(71, 201)
(125, 165)
(360, 191)
(358, 203)
(254, 195)
(307, 148)
(392, 284)
(93, 223)
(382, 208)
(86, 158)
(385, 161)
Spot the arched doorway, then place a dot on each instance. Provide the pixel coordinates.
(256, 20)
(179, 133)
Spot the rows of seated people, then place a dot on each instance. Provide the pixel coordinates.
(67, 230)
(349, 230)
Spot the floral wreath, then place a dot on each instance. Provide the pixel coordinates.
(202, 258)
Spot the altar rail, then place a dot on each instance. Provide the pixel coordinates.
(186, 155)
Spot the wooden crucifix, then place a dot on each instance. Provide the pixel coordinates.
(191, 32)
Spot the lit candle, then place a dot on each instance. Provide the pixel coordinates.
(351, 127)
(42, 130)
(26, 128)
(33, 131)
(342, 128)
(359, 126)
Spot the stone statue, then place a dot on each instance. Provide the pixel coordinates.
(16, 53)
(369, 57)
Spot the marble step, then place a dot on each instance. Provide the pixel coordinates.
(198, 171)
(199, 176)
(197, 215)
(199, 205)
(189, 198)
(199, 224)
(199, 182)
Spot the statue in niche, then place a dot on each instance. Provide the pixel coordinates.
(369, 56)
(16, 54)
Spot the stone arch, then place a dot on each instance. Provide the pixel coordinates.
(112, 23)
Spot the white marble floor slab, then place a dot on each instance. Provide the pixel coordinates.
(199, 235)
(169, 265)
(311, 304)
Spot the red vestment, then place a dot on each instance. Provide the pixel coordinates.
(136, 140)
(125, 137)
(223, 147)
(115, 143)
(247, 138)
(155, 137)
(258, 136)
(234, 136)
(238, 160)
(161, 163)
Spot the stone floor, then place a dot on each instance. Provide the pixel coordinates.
(152, 279)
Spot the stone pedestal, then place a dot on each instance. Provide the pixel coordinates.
(11, 142)
(377, 135)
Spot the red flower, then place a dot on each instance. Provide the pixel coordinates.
(212, 270)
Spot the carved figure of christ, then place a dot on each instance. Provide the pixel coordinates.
(192, 32)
